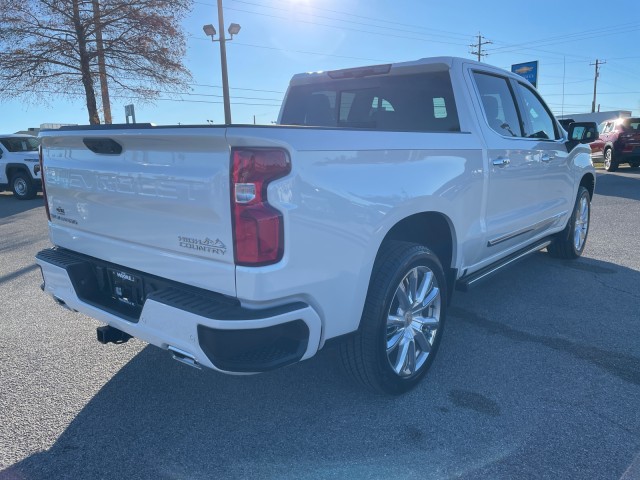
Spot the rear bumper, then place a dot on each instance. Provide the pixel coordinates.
(633, 156)
(625, 152)
(216, 330)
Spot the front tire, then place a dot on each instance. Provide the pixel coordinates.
(402, 320)
(610, 165)
(22, 186)
(570, 242)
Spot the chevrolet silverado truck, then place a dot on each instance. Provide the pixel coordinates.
(19, 167)
(350, 222)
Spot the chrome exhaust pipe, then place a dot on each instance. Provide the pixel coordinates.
(184, 357)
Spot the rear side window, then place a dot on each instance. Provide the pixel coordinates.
(499, 104)
(421, 102)
(20, 144)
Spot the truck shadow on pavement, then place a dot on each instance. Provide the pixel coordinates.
(12, 206)
(520, 389)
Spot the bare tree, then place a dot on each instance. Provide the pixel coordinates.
(60, 48)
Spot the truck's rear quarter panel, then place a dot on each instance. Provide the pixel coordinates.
(347, 189)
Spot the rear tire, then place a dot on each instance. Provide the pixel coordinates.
(22, 186)
(402, 320)
(570, 242)
(634, 164)
(610, 164)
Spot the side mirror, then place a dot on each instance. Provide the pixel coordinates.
(583, 132)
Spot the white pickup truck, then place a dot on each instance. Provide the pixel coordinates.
(382, 189)
(19, 167)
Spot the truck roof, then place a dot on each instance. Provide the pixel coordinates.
(428, 64)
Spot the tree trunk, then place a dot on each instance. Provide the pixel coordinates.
(85, 66)
(102, 69)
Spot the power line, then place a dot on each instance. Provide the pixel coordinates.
(235, 88)
(610, 30)
(339, 27)
(220, 86)
(592, 33)
(449, 34)
(293, 51)
(133, 97)
(310, 53)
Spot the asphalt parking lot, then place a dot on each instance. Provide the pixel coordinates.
(538, 376)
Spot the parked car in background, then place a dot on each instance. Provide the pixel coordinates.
(565, 122)
(618, 142)
(19, 166)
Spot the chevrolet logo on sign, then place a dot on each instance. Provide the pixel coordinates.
(527, 70)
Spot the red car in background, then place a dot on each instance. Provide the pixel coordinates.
(619, 142)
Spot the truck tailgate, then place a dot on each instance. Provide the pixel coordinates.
(161, 206)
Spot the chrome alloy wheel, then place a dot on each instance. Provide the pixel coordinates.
(582, 223)
(20, 186)
(412, 321)
(607, 159)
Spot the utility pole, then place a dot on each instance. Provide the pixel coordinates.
(595, 82)
(478, 47)
(223, 55)
(102, 69)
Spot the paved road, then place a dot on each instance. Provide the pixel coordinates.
(538, 376)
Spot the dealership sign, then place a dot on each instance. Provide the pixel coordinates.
(527, 70)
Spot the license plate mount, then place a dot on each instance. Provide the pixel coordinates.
(126, 287)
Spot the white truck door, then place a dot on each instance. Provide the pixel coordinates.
(514, 200)
(556, 187)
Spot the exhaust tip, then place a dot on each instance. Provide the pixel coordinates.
(184, 357)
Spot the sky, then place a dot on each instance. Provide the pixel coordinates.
(280, 38)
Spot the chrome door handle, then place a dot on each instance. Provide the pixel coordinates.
(546, 157)
(501, 162)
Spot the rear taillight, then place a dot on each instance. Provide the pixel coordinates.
(258, 231)
(44, 190)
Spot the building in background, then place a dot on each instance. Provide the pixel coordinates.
(44, 126)
(597, 117)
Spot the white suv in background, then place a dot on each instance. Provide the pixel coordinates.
(19, 166)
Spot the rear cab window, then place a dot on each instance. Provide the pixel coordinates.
(421, 102)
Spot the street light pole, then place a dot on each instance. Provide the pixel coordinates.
(210, 31)
(223, 58)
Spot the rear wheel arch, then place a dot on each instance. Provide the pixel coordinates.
(12, 168)
(433, 230)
